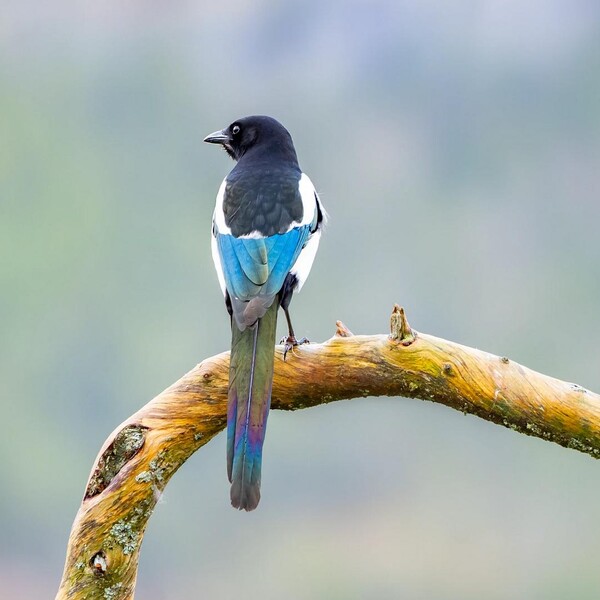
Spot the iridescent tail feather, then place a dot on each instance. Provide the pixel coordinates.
(250, 383)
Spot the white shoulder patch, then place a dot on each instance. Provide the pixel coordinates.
(305, 260)
(217, 260)
(219, 215)
(309, 200)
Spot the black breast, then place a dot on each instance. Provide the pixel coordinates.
(266, 200)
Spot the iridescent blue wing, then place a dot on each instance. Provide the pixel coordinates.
(259, 266)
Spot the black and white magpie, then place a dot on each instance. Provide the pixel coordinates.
(265, 234)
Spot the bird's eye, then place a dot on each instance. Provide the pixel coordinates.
(235, 129)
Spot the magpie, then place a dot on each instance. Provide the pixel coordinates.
(265, 234)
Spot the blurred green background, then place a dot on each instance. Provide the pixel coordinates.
(456, 147)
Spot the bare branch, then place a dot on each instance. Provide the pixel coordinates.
(142, 454)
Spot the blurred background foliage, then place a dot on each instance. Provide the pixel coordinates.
(456, 147)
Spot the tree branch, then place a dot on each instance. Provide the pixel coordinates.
(143, 453)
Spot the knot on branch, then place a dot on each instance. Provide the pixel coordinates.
(98, 563)
(125, 445)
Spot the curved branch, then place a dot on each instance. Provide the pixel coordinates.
(142, 454)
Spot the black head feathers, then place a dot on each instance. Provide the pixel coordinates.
(256, 137)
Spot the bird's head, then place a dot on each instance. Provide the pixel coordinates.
(257, 136)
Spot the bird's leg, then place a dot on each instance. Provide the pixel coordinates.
(285, 298)
(290, 341)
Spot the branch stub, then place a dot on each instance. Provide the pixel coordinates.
(400, 330)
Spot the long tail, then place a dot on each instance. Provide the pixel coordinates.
(250, 382)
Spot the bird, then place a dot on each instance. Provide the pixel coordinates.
(266, 229)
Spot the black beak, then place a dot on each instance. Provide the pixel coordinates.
(218, 137)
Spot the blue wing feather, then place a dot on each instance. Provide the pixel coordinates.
(259, 266)
(258, 251)
(236, 280)
(253, 259)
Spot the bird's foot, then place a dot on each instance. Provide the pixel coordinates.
(290, 341)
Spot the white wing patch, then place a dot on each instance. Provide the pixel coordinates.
(217, 260)
(309, 202)
(219, 215)
(304, 262)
